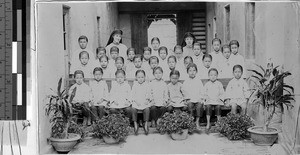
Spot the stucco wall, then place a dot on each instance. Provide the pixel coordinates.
(50, 57)
(277, 37)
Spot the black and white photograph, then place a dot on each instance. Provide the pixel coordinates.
(166, 77)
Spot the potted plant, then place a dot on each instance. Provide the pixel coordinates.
(270, 92)
(234, 126)
(112, 128)
(177, 124)
(64, 131)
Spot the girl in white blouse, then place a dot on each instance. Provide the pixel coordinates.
(141, 100)
(194, 92)
(83, 96)
(158, 91)
(120, 95)
(100, 94)
(237, 91)
(176, 94)
(213, 94)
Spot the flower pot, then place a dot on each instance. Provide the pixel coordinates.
(260, 137)
(65, 145)
(180, 136)
(110, 140)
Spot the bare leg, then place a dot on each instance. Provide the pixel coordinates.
(233, 108)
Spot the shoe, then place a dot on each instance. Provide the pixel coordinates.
(146, 128)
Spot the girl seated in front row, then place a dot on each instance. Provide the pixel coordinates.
(176, 94)
(83, 96)
(120, 93)
(100, 94)
(141, 100)
(237, 91)
(158, 91)
(213, 94)
(194, 91)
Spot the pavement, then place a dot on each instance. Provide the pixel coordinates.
(155, 143)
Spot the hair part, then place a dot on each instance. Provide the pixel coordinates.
(147, 49)
(157, 68)
(172, 57)
(120, 58)
(213, 69)
(154, 58)
(224, 47)
(234, 42)
(114, 49)
(192, 65)
(140, 71)
(78, 72)
(155, 38)
(206, 56)
(98, 69)
(163, 48)
(175, 72)
(178, 47)
(101, 48)
(82, 53)
(186, 35)
(216, 39)
(138, 56)
(120, 71)
(236, 67)
(83, 37)
(131, 49)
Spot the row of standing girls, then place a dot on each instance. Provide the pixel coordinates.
(150, 93)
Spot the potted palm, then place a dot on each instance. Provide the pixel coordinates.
(112, 128)
(177, 124)
(64, 131)
(270, 92)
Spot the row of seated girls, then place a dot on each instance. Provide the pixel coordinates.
(163, 80)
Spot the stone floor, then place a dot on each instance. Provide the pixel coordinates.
(155, 143)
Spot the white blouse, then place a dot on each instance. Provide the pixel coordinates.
(214, 93)
(226, 68)
(120, 95)
(176, 94)
(141, 95)
(99, 92)
(193, 89)
(83, 93)
(158, 92)
(87, 69)
(237, 89)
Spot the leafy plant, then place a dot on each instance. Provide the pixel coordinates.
(116, 126)
(60, 110)
(271, 92)
(234, 126)
(175, 122)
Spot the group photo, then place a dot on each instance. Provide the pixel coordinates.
(125, 74)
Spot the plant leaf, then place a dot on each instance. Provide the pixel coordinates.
(258, 73)
(59, 87)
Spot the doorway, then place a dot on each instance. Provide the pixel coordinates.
(162, 26)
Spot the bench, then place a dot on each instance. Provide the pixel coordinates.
(71, 81)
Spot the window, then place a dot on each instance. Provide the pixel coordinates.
(98, 31)
(215, 27)
(227, 23)
(66, 29)
(249, 28)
